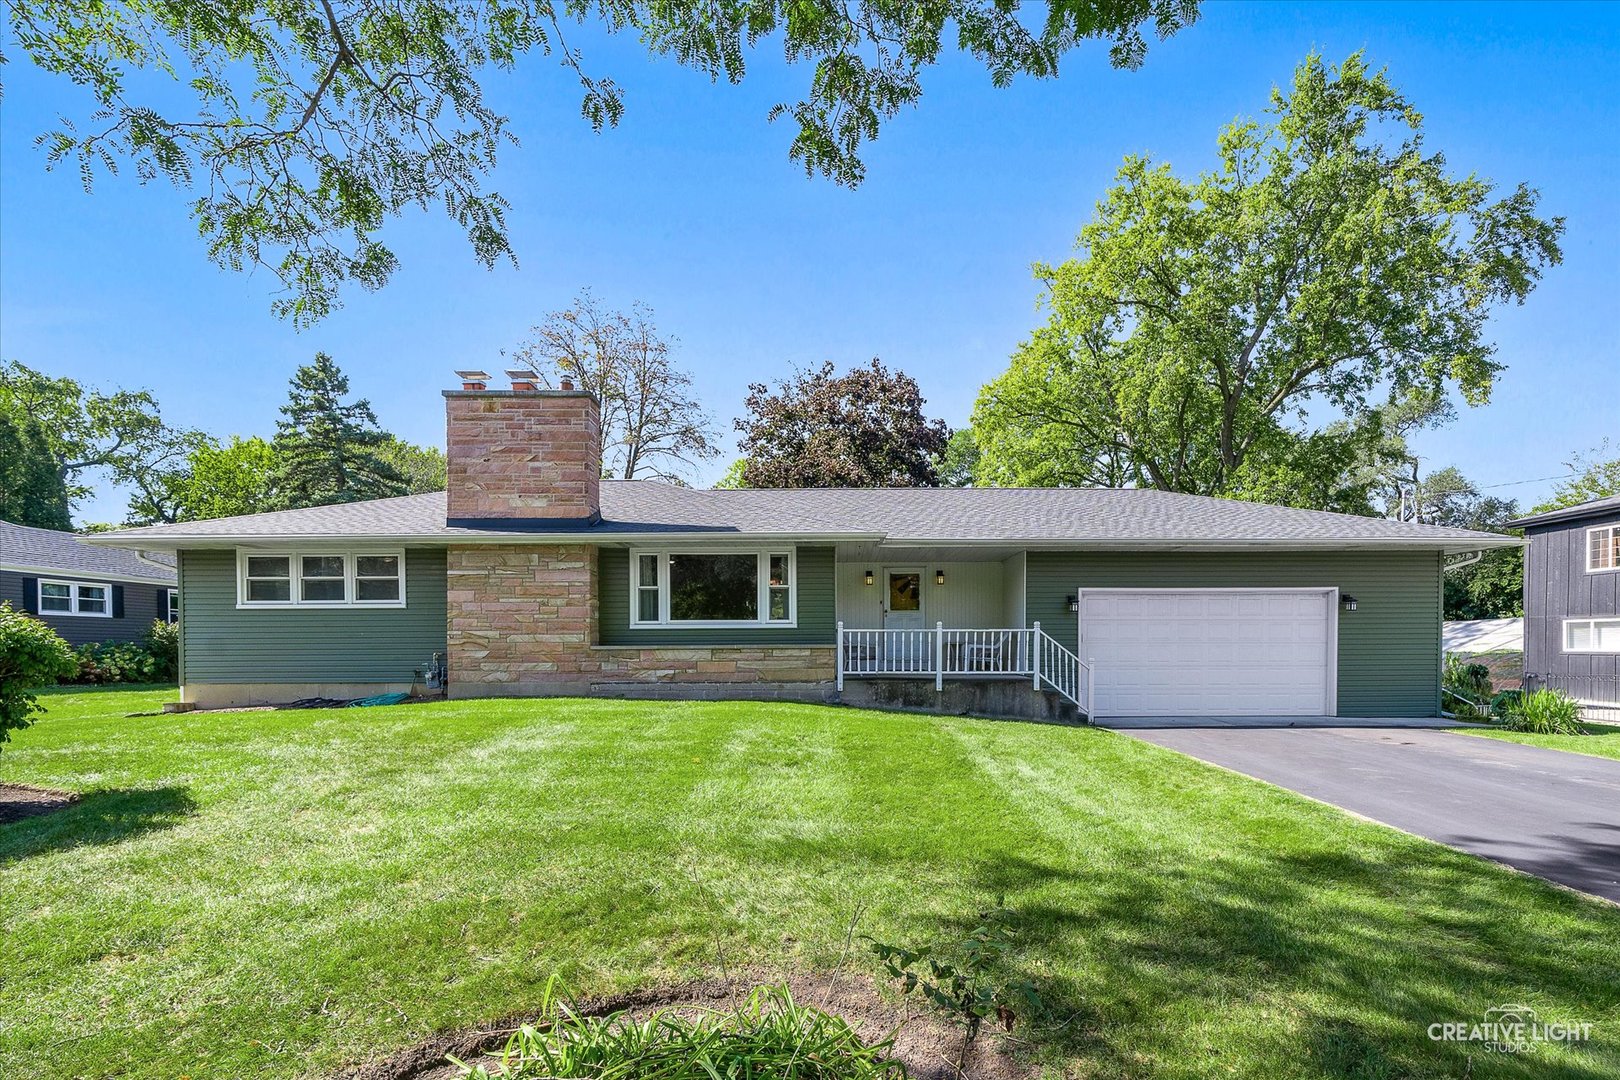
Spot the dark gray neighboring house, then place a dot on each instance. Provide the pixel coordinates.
(1572, 602)
(85, 593)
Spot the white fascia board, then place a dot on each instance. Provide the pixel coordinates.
(87, 575)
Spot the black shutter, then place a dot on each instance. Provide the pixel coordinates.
(118, 602)
(31, 595)
(162, 605)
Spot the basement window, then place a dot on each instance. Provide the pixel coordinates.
(712, 588)
(320, 579)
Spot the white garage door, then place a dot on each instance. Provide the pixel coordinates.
(1210, 652)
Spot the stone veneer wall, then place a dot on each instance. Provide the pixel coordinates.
(523, 454)
(522, 621)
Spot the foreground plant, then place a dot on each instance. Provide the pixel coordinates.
(31, 655)
(1545, 712)
(962, 980)
(768, 1036)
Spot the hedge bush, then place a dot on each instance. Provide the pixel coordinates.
(31, 655)
(155, 658)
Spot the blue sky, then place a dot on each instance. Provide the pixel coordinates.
(692, 206)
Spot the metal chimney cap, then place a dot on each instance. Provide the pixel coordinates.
(472, 376)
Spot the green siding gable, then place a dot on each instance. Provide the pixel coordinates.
(221, 644)
(817, 606)
(1389, 648)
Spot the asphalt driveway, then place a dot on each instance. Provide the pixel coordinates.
(1547, 812)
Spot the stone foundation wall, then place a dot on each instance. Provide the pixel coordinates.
(522, 622)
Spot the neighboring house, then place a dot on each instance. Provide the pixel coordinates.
(1470, 636)
(535, 576)
(1572, 602)
(85, 593)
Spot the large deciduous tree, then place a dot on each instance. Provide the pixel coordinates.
(216, 480)
(31, 487)
(865, 428)
(328, 450)
(118, 436)
(1330, 266)
(652, 426)
(1596, 475)
(305, 125)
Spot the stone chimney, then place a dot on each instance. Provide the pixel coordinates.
(523, 456)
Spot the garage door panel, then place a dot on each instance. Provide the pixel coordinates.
(1208, 652)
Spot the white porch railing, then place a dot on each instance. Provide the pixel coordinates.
(965, 654)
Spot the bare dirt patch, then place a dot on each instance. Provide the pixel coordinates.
(18, 801)
(923, 1041)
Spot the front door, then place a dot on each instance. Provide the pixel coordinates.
(902, 602)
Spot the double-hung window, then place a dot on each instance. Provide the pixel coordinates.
(1603, 549)
(1592, 635)
(75, 598)
(171, 610)
(323, 579)
(712, 588)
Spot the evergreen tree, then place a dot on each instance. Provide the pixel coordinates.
(328, 451)
(32, 491)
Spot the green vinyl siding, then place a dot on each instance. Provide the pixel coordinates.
(817, 623)
(1389, 648)
(222, 644)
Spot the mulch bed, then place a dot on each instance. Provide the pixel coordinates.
(18, 801)
(924, 1042)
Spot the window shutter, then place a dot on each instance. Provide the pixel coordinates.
(118, 602)
(31, 595)
(161, 606)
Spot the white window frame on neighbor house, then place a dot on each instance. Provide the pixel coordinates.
(1591, 623)
(75, 598)
(1609, 544)
(762, 600)
(294, 577)
(171, 613)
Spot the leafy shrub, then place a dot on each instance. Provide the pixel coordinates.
(31, 655)
(1469, 681)
(1504, 702)
(114, 662)
(962, 980)
(163, 642)
(1545, 712)
(771, 1037)
(155, 658)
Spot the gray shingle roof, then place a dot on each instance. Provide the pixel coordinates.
(1596, 508)
(1054, 517)
(24, 547)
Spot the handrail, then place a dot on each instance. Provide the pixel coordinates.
(943, 653)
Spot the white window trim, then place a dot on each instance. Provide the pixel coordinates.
(1612, 530)
(1591, 620)
(762, 600)
(73, 588)
(294, 555)
(171, 613)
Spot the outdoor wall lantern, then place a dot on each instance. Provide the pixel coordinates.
(939, 577)
(1074, 603)
(1348, 601)
(869, 577)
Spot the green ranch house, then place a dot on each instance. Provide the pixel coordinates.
(531, 575)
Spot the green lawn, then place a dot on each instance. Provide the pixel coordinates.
(1601, 740)
(277, 894)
